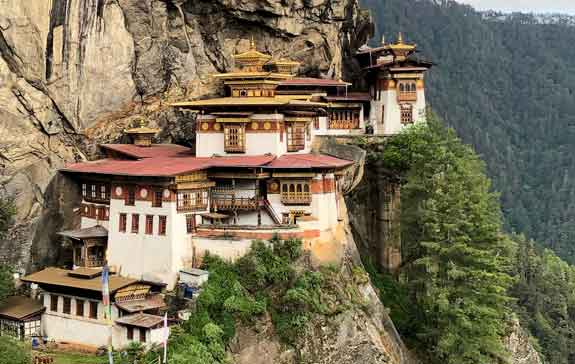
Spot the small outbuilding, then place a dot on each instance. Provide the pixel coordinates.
(21, 317)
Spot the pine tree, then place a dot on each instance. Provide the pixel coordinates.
(457, 259)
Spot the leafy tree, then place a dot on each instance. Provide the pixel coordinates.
(13, 351)
(457, 261)
(6, 282)
(506, 86)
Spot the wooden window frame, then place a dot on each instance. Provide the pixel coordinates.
(93, 310)
(296, 137)
(192, 200)
(135, 223)
(143, 334)
(157, 198)
(79, 307)
(54, 303)
(344, 119)
(130, 333)
(296, 192)
(162, 225)
(407, 90)
(149, 224)
(406, 111)
(67, 305)
(122, 222)
(130, 196)
(235, 138)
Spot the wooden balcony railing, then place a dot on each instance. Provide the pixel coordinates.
(296, 198)
(344, 124)
(234, 203)
(192, 207)
(230, 148)
(406, 96)
(91, 263)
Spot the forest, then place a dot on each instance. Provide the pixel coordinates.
(506, 85)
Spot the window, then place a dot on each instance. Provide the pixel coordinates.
(53, 303)
(94, 310)
(382, 114)
(406, 114)
(122, 224)
(190, 223)
(149, 224)
(192, 200)
(80, 308)
(295, 137)
(104, 192)
(135, 223)
(130, 333)
(84, 190)
(316, 122)
(67, 306)
(157, 199)
(344, 119)
(296, 193)
(93, 191)
(407, 91)
(243, 93)
(130, 198)
(142, 335)
(162, 225)
(234, 138)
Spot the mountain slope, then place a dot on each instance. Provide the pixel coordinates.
(506, 85)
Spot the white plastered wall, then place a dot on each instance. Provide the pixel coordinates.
(143, 256)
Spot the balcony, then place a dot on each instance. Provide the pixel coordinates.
(234, 203)
(296, 198)
(192, 207)
(407, 96)
(344, 124)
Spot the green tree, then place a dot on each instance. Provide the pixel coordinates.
(13, 351)
(457, 260)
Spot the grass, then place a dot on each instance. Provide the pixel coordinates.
(75, 358)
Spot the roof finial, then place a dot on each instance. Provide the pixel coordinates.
(383, 39)
(400, 38)
(253, 44)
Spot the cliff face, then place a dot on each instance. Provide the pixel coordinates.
(74, 73)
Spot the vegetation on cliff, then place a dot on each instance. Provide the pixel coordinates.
(7, 212)
(267, 283)
(506, 86)
(456, 268)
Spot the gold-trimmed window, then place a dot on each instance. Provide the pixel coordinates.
(407, 91)
(296, 192)
(234, 138)
(192, 200)
(296, 137)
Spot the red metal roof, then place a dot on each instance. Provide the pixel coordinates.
(309, 81)
(153, 151)
(301, 161)
(164, 166)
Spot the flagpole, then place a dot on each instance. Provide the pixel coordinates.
(107, 309)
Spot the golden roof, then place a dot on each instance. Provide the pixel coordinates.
(399, 47)
(142, 129)
(295, 100)
(252, 55)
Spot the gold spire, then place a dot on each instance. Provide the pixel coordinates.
(252, 44)
(400, 38)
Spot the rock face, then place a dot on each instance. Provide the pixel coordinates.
(519, 346)
(74, 73)
(362, 333)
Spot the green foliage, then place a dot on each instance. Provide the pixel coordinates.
(13, 351)
(6, 282)
(509, 99)
(545, 293)
(264, 280)
(7, 212)
(456, 259)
